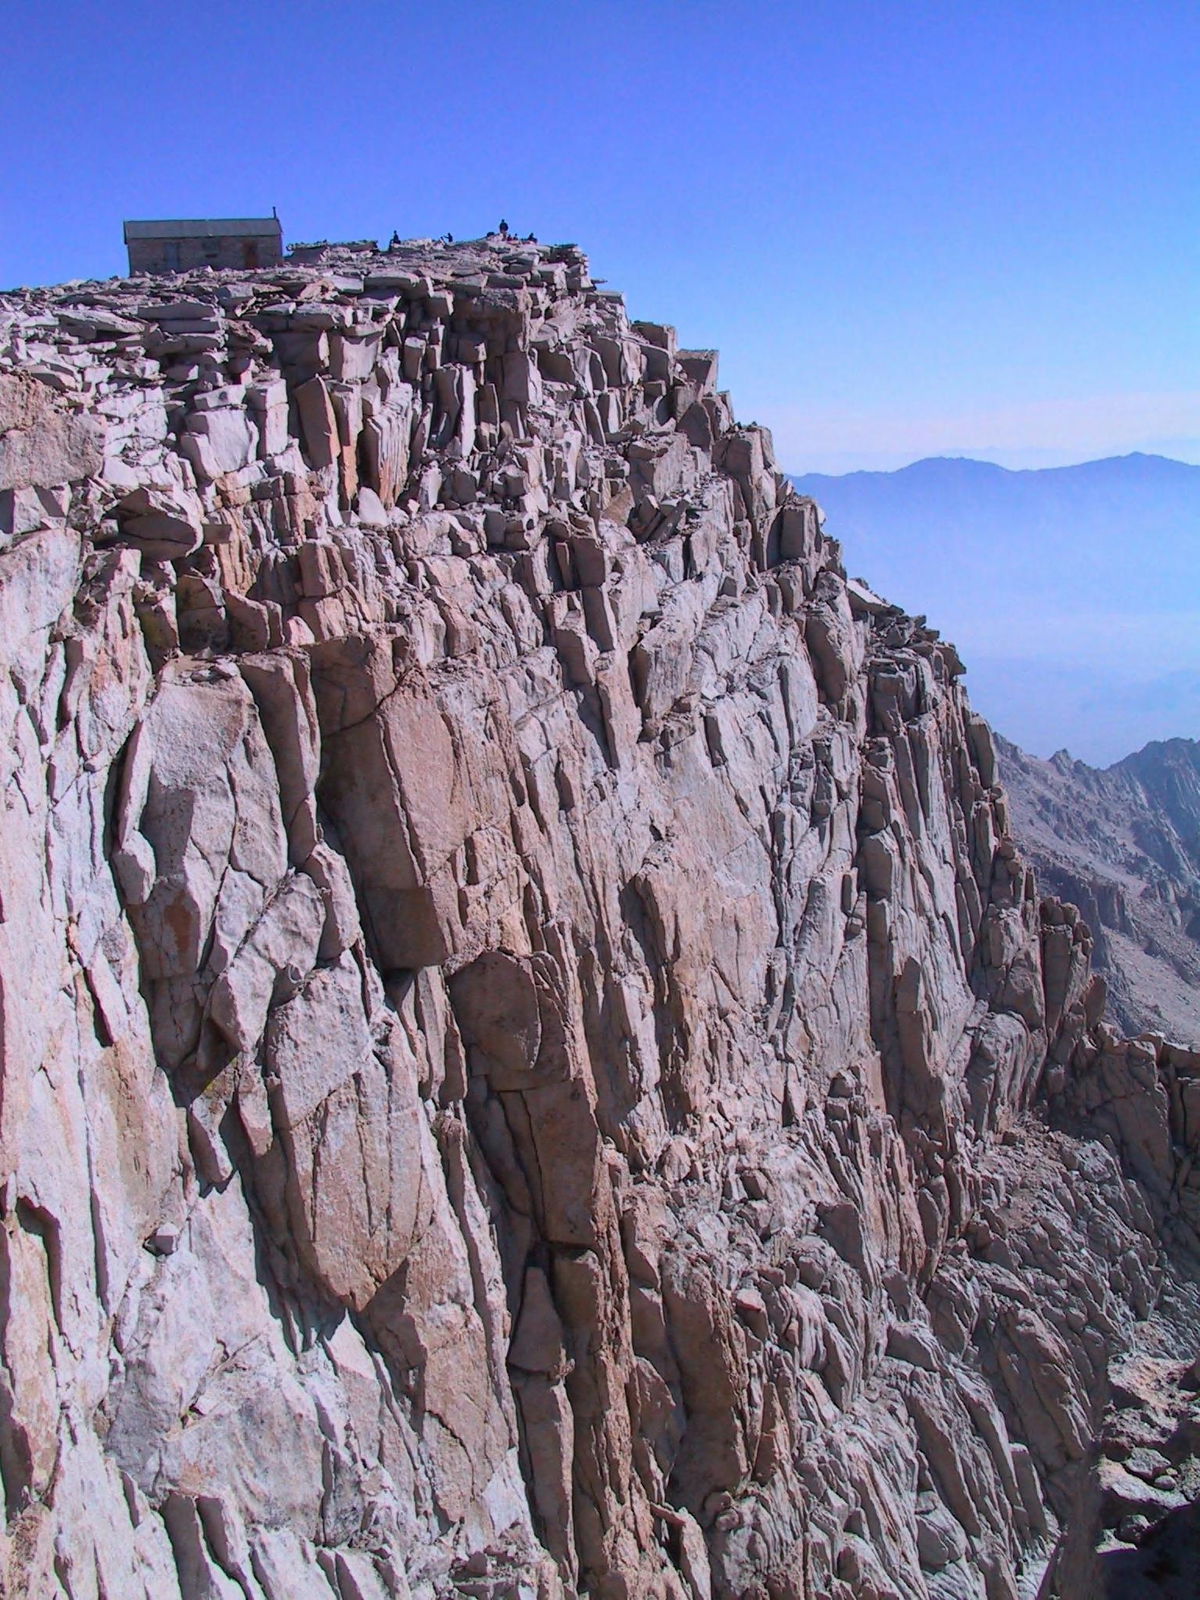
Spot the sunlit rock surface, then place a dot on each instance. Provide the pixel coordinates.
(531, 1063)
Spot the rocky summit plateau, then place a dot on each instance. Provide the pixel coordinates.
(532, 1065)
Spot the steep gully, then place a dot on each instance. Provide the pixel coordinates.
(531, 1063)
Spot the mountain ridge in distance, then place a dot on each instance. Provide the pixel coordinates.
(1071, 592)
(998, 467)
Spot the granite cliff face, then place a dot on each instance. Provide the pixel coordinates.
(1123, 844)
(530, 1062)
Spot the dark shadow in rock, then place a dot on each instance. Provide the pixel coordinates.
(1164, 1566)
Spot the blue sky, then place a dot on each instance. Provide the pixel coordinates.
(910, 228)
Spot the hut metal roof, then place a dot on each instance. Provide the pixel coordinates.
(203, 228)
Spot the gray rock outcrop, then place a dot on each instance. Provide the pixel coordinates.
(531, 1064)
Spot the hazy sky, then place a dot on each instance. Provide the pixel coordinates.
(911, 228)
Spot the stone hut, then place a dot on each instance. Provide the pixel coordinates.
(186, 243)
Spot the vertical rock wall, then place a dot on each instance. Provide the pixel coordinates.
(525, 1042)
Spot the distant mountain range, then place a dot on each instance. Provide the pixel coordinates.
(1073, 593)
